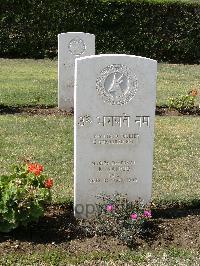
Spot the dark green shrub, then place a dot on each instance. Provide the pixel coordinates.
(162, 30)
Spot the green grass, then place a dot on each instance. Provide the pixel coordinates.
(176, 160)
(28, 82)
(174, 80)
(49, 140)
(176, 1)
(33, 82)
(59, 257)
(158, 1)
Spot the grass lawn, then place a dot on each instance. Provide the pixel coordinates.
(177, 1)
(49, 140)
(28, 82)
(58, 257)
(174, 80)
(34, 82)
(164, 1)
(176, 159)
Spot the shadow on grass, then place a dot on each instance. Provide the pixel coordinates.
(52, 109)
(4, 109)
(58, 225)
(7, 109)
(164, 110)
(175, 210)
(33, 110)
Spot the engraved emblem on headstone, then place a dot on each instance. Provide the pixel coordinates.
(77, 46)
(116, 84)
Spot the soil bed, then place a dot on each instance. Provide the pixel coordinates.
(58, 228)
(54, 111)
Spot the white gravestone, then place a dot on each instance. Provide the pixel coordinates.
(114, 128)
(71, 45)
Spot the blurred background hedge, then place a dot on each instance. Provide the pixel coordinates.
(165, 30)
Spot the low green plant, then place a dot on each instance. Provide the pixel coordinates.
(23, 195)
(119, 217)
(183, 103)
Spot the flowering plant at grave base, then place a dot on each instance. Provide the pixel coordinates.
(119, 217)
(23, 195)
(184, 103)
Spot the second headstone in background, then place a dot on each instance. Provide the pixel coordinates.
(71, 45)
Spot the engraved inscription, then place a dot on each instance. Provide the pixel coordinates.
(76, 46)
(121, 171)
(110, 120)
(128, 138)
(143, 120)
(112, 180)
(116, 84)
(120, 121)
(113, 165)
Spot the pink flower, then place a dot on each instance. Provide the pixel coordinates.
(147, 214)
(134, 216)
(109, 208)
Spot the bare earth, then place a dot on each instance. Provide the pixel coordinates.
(43, 110)
(58, 228)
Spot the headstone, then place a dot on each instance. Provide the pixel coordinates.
(71, 45)
(114, 128)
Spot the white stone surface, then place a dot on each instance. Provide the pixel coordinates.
(71, 45)
(114, 128)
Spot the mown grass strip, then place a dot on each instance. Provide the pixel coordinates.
(28, 82)
(157, 1)
(49, 140)
(174, 80)
(176, 1)
(176, 159)
(34, 82)
(58, 257)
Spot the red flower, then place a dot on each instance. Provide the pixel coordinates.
(193, 92)
(35, 168)
(48, 183)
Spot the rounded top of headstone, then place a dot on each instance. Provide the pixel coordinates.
(117, 55)
(75, 33)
